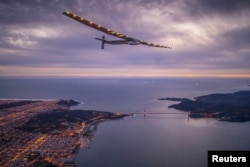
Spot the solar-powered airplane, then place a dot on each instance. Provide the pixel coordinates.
(125, 39)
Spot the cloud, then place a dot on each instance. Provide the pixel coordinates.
(207, 36)
(223, 6)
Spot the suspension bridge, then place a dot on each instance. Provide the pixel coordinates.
(145, 113)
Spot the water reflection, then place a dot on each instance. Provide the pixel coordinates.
(200, 122)
(161, 141)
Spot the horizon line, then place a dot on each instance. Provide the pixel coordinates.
(125, 76)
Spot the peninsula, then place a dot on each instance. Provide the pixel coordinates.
(233, 107)
(45, 132)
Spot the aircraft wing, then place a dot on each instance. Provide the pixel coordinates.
(109, 31)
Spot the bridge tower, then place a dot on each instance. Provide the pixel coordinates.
(144, 113)
(189, 115)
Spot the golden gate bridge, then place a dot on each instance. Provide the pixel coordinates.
(145, 113)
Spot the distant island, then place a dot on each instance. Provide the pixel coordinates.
(46, 132)
(233, 107)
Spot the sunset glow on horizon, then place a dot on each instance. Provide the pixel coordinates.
(209, 39)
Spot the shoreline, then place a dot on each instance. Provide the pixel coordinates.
(49, 128)
(231, 107)
(87, 134)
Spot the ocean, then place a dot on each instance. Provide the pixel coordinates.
(154, 140)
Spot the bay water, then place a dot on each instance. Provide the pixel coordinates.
(154, 140)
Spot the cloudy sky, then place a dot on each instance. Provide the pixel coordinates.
(209, 38)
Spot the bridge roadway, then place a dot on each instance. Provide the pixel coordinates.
(173, 113)
(158, 113)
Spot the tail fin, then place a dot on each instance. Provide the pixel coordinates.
(103, 41)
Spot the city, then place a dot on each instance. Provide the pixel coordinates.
(45, 133)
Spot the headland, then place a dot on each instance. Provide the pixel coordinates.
(233, 107)
(45, 132)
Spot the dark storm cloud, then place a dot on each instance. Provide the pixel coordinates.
(23, 11)
(224, 6)
(198, 8)
(239, 38)
(39, 11)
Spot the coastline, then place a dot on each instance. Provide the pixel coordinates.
(231, 107)
(88, 136)
(48, 128)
